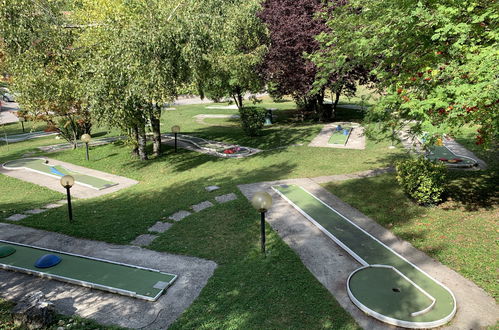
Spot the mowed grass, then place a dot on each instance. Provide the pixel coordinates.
(247, 290)
(461, 233)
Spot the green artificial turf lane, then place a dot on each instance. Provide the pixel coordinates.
(437, 152)
(371, 251)
(338, 137)
(386, 292)
(140, 281)
(39, 165)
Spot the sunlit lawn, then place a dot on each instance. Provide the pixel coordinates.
(247, 291)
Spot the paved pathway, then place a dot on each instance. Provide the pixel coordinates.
(357, 140)
(161, 227)
(200, 118)
(7, 117)
(331, 265)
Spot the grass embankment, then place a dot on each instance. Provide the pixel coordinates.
(461, 232)
(246, 291)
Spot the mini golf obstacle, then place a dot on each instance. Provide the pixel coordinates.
(340, 135)
(40, 165)
(120, 278)
(446, 156)
(387, 286)
(214, 148)
(443, 153)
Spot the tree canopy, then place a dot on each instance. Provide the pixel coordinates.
(435, 63)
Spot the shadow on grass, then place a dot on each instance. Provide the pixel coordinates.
(473, 190)
(247, 289)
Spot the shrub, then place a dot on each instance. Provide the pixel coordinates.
(252, 119)
(423, 180)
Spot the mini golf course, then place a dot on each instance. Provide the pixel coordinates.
(40, 165)
(340, 135)
(444, 155)
(95, 273)
(214, 148)
(26, 136)
(386, 286)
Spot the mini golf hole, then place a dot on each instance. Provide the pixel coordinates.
(395, 289)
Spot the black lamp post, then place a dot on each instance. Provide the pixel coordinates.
(175, 130)
(22, 120)
(262, 201)
(67, 182)
(86, 139)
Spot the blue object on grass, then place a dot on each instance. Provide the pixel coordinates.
(47, 261)
(346, 131)
(338, 128)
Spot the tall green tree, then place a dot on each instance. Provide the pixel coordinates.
(137, 62)
(236, 46)
(434, 62)
(39, 52)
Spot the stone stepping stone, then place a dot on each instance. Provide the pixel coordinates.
(17, 217)
(226, 198)
(179, 215)
(211, 188)
(201, 206)
(160, 227)
(35, 211)
(52, 206)
(144, 240)
(62, 201)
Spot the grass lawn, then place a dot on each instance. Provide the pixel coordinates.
(246, 291)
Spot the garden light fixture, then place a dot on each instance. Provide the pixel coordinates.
(67, 182)
(86, 139)
(262, 201)
(175, 131)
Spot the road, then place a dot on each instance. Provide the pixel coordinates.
(8, 112)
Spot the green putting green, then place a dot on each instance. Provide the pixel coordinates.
(90, 272)
(387, 287)
(39, 165)
(443, 154)
(339, 137)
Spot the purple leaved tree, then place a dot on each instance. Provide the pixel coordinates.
(293, 26)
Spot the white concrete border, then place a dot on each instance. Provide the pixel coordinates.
(384, 318)
(77, 190)
(86, 283)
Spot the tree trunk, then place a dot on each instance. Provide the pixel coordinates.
(142, 141)
(336, 100)
(238, 97)
(134, 134)
(74, 130)
(155, 115)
